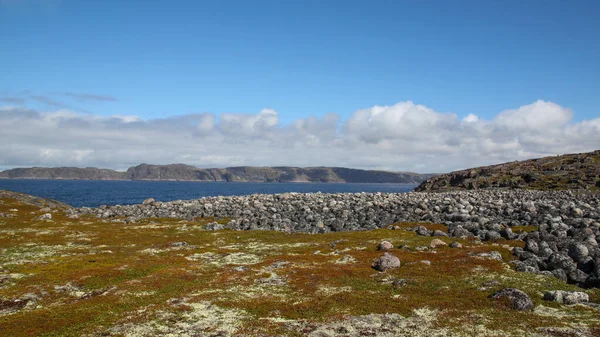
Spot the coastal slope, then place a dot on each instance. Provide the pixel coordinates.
(182, 172)
(569, 171)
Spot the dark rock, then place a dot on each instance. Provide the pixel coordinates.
(492, 236)
(577, 251)
(456, 244)
(518, 299)
(560, 274)
(422, 231)
(560, 261)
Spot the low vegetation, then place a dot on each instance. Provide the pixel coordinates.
(570, 171)
(92, 277)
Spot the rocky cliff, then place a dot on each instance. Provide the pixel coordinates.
(182, 172)
(570, 171)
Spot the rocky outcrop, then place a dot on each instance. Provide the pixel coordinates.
(571, 171)
(182, 172)
(31, 200)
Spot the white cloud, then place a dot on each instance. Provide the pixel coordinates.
(401, 137)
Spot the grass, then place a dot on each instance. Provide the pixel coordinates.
(93, 276)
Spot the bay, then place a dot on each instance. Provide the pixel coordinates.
(93, 193)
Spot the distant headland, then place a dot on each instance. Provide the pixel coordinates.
(182, 172)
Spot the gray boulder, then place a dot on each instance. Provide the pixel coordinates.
(213, 226)
(577, 251)
(518, 299)
(386, 261)
(566, 297)
(385, 245)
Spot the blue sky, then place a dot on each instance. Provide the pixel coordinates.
(158, 59)
(304, 57)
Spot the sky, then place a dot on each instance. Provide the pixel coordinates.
(424, 86)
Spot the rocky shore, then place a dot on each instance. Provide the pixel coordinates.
(562, 228)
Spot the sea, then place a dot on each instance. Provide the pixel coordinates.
(93, 193)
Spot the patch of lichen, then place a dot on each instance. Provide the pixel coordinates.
(91, 275)
(524, 229)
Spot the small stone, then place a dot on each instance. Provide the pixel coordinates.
(399, 282)
(386, 261)
(148, 201)
(46, 216)
(456, 244)
(438, 232)
(518, 299)
(437, 243)
(493, 255)
(426, 262)
(422, 231)
(179, 244)
(385, 245)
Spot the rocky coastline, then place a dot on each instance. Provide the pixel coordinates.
(560, 229)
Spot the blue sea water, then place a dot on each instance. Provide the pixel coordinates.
(93, 193)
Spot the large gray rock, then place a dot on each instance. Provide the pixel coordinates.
(578, 251)
(385, 245)
(386, 261)
(566, 297)
(518, 299)
(560, 261)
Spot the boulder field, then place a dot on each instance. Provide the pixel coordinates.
(561, 229)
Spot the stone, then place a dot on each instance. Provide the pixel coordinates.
(385, 245)
(422, 231)
(438, 232)
(148, 201)
(386, 261)
(566, 297)
(456, 244)
(493, 255)
(213, 226)
(560, 261)
(532, 246)
(507, 233)
(435, 243)
(560, 274)
(492, 236)
(46, 216)
(397, 283)
(518, 299)
(577, 251)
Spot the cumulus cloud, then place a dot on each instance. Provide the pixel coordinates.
(401, 137)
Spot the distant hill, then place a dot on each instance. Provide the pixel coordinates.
(570, 171)
(182, 172)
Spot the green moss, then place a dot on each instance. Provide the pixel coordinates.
(130, 273)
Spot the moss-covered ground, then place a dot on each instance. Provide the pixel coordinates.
(156, 277)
